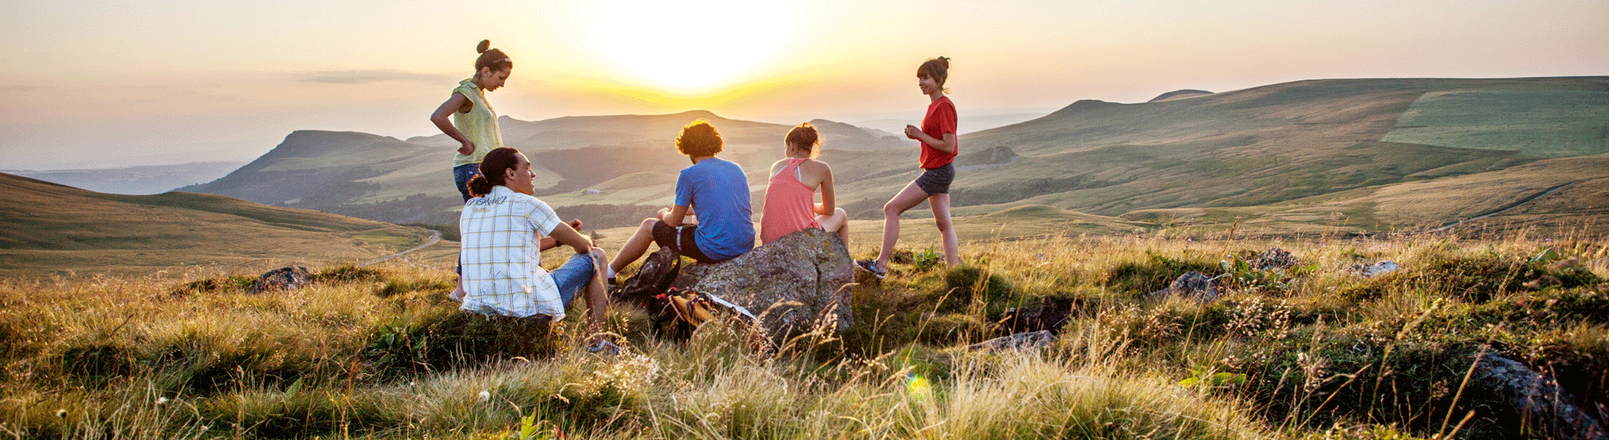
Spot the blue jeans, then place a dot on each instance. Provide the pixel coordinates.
(461, 176)
(574, 274)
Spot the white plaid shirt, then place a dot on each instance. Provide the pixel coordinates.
(502, 262)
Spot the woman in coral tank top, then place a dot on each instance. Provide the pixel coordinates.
(790, 199)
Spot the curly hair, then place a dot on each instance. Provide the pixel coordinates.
(804, 137)
(699, 138)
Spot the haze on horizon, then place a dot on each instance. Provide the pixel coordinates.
(100, 84)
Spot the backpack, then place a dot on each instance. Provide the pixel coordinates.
(648, 289)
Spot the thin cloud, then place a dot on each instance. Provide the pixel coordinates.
(372, 76)
(19, 88)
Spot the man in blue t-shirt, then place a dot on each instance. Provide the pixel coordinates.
(714, 189)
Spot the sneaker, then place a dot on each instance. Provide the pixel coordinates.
(870, 266)
(604, 347)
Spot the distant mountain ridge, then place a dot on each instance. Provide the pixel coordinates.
(152, 179)
(1254, 152)
(409, 181)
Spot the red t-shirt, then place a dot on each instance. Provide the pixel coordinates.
(940, 119)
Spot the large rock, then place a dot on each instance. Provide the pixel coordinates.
(284, 278)
(1532, 394)
(790, 284)
(1191, 285)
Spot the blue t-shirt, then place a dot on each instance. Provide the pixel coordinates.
(719, 195)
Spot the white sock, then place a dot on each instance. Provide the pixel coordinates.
(608, 272)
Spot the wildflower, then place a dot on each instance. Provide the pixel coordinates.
(485, 396)
(61, 413)
(160, 401)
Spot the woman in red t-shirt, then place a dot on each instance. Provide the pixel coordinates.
(939, 147)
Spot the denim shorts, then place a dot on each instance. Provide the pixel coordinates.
(461, 176)
(573, 276)
(935, 181)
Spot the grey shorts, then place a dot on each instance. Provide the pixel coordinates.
(935, 181)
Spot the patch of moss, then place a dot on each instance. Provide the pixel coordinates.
(951, 329)
(443, 338)
(232, 283)
(967, 285)
(1155, 273)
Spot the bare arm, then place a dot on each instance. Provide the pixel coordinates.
(676, 215)
(455, 103)
(548, 242)
(826, 205)
(566, 235)
(946, 145)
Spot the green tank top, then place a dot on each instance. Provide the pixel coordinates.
(479, 125)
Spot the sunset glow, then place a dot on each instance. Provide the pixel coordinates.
(106, 80)
(687, 48)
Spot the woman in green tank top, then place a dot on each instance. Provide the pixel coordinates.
(474, 124)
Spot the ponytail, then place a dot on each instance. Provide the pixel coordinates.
(938, 69)
(478, 186)
(491, 58)
(493, 169)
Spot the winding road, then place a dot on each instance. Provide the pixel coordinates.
(1503, 209)
(435, 236)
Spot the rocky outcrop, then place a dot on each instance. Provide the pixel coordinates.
(789, 285)
(1019, 341)
(1374, 269)
(1536, 395)
(1191, 285)
(1273, 258)
(284, 278)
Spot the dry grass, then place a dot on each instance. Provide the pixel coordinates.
(379, 353)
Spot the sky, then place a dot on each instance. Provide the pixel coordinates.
(104, 84)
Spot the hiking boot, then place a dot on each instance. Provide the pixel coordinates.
(870, 266)
(604, 347)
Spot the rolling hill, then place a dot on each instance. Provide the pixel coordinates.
(1253, 156)
(408, 181)
(54, 229)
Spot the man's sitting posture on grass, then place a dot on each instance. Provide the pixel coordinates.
(504, 231)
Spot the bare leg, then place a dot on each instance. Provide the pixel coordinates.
(634, 248)
(837, 222)
(941, 217)
(907, 198)
(597, 298)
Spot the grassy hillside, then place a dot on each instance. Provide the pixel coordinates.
(1252, 152)
(1311, 352)
(387, 179)
(52, 229)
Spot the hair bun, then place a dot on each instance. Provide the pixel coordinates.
(945, 61)
(484, 44)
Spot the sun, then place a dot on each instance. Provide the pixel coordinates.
(688, 47)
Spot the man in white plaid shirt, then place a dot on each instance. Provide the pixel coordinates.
(504, 231)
